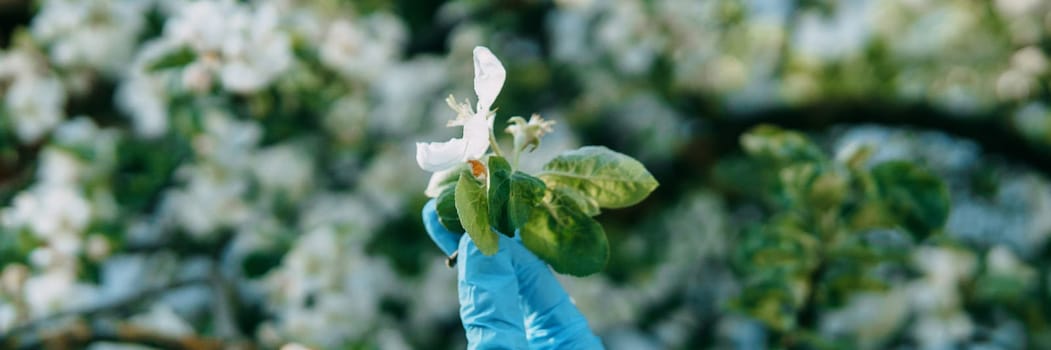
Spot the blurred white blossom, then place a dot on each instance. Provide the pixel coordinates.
(242, 45)
(210, 200)
(144, 95)
(869, 317)
(100, 35)
(54, 291)
(363, 49)
(212, 195)
(284, 169)
(327, 290)
(54, 209)
(35, 99)
(418, 80)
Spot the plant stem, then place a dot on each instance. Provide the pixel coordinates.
(496, 146)
(514, 163)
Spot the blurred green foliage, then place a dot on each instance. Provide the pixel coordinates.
(811, 254)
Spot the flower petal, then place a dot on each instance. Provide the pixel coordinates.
(438, 156)
(489, 77)
(476, 133)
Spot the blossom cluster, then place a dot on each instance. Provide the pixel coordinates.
(191, 150)
(264, 148)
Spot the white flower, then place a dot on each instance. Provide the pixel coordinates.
(362, 49)
(197, 76)
(59, 168)
(211, 197)
(387, 189)
(52, 212)
(98, 248)
(202, 24)
(527, 135)
(284, 169)
(249, 47)
(257, 53)
(100, 35)
(346, 119)
(55, 290)
(12, 278)
(869, 316)
(143, 95)
(35, 105)
(942, 330)
(209, 201)
(414, 80)
(328, 290)
(489, 77)
(1001, 261)
(146, 102)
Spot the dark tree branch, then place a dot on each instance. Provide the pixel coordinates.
(79, 334)
(716, 134)
(991, 130)
(17, 334)
(185, 246)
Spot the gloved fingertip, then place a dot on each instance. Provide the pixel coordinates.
(552, 321)
(488, 290)
(446, 240)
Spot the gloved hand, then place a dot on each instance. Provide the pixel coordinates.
(510, 300)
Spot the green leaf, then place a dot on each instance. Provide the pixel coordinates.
(778, 246)
(15, 245)
(499, 192)
(526, 194)
(446, 208)
(814, 185)
(560, 195)
(913, 195)
(770, 299)
(258, 263)
(473, 210)
(774, 143)
(174, 59)
(828, 189)
(1000, 289)
(569, 240)
(611, 179)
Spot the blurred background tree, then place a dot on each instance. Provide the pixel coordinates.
(834, 174)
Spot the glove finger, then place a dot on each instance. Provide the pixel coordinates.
(488, 289)
(552, 321)
(446, 240)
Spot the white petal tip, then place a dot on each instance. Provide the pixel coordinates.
(489, 77)
(438, 156)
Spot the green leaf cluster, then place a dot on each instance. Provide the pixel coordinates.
(553, 213)
(175, 59)
(813, 250)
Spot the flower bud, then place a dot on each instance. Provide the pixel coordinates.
(527, 134)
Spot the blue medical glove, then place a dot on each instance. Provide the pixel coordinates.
(541, 317)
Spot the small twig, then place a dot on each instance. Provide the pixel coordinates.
(82, 333)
